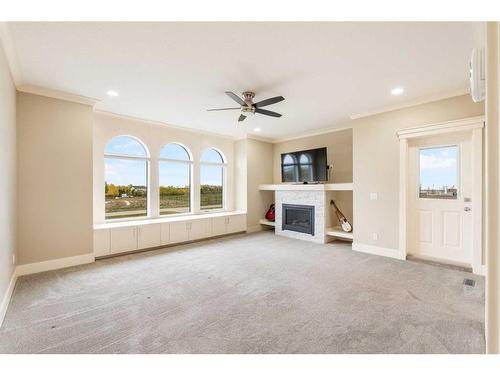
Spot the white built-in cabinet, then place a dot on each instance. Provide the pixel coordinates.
(122, 237)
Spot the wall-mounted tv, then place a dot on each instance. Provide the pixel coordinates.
(304, 166)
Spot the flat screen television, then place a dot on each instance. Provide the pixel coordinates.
(304, 166)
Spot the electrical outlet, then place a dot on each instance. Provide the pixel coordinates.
(373, 196)
(14, 259)
(375, 236)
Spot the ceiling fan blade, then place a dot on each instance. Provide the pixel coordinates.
(269, 101)
(222, 109)
(267, 113)
(241, 118)
(235, 97)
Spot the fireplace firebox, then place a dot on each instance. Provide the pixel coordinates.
(298, 218)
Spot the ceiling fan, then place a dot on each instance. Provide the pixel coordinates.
(248, 107)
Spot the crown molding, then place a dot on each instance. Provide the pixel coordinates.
(311, 133)
(164, 124)
(56, 94)
(411, 103)
(9, 48)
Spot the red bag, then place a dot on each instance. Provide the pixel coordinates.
(270, 215)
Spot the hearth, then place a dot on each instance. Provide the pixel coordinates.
(298, 218)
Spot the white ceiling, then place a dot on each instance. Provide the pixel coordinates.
(173, 72)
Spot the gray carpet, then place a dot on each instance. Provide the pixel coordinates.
(255, 293)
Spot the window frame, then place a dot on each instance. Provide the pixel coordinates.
(223, 165)
(190, 163)
(118, 156)
(459, 169)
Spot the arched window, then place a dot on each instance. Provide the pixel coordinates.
(212, 177)
(175, 179)
(125, 178)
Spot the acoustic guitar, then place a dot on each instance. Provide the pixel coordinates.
(344, 224)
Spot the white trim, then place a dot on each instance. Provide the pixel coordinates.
(403, 200)
(56, 94)
(411, 103)
(465, 124)
(311, 133)
(9, 48)
(475, 126)
(377, 250)
(254, 229)
(477, 194)
(7, 296)
(54, 264)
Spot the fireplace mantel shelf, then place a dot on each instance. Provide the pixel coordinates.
(307, 187)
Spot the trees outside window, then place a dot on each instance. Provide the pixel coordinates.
(212, 180)
(175, 179)
(125, 178)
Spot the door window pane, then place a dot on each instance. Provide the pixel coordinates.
(125, 188)
(439, 172)
(175, 188)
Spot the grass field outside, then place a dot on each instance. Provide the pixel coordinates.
(121, 207)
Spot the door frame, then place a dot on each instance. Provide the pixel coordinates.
(475, 126)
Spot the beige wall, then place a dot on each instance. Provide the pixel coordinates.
(240, 175)
(376, 164)
(339, 150)
(7, 176)
(492, 204)
(259, 171)
(54, 140)
(155, 136)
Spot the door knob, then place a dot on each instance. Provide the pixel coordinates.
(467, 209)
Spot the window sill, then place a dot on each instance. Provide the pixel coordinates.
(159, 220)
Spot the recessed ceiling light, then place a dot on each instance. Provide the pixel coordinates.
(397, 91)
(256, 130)
(112, 93)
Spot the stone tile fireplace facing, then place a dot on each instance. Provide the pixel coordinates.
(308, 202)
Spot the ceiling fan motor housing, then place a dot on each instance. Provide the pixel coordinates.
(249, 108)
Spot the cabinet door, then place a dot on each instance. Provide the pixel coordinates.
(165, 233)
(178, 232)
(197, 229)
(149, 236)
(236, 223)
(101, 242)
(218, 226)
(123, 239)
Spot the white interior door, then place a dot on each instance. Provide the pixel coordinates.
(440, 198)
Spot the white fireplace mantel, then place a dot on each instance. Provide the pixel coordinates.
(307, 187)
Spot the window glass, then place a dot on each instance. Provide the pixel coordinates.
(125, 188)
(124, 145)
(211, 156)
(212, 180)
(175, 180)
(174, 151)
(439, 172)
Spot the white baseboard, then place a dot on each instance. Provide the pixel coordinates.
(54, 264)
(255, 228)
(7, 296)
(377, 250)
